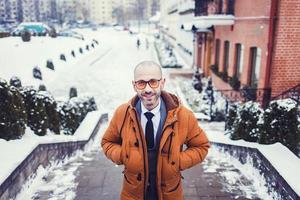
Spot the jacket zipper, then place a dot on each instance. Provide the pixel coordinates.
(144, 159)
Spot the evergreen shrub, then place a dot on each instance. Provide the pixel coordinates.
(62, 57)
(26, 36)
(281, 124)
(50, 64)
(73, 92)
(13, 116)
(52, 112)
(15, 81)
(36, 111)
(245, 124)
(234, 82)
(37, 73)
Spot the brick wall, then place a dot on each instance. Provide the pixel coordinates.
(250, 29)
(285, 69)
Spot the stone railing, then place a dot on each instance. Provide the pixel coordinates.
(275, 182)
(42, 155)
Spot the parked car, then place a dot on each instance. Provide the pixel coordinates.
(35, 28)
(70, 33)
(4, 32)
(119, 28)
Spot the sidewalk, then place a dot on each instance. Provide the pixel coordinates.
(100, 179)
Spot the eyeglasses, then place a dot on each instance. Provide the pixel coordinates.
(141, 84)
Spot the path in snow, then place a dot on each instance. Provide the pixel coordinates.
(106, 74)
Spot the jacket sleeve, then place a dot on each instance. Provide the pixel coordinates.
(111, 141)
(197, 145)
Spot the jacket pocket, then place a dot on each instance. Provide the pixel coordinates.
(133, 160)
(132, 184)
(170, 167)
(172, 189)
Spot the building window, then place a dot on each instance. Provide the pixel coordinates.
(226, 56)
(255, 60)
(217, 53)
(239, 54)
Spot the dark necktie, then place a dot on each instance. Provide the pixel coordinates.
(149, 130)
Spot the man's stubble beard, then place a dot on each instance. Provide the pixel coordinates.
(154, 99)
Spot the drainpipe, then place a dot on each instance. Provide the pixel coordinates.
(271, 38)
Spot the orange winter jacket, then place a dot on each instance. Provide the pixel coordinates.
(124, 143)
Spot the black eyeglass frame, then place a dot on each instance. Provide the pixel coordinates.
(147, 82)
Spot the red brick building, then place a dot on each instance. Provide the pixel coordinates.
(252, 42)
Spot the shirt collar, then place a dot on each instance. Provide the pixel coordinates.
(154, 110)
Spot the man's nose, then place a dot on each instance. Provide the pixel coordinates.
(148, 88)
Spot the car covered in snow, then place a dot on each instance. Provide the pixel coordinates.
(35, 29)
(71, 33)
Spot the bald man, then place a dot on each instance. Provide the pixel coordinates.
(147, 135)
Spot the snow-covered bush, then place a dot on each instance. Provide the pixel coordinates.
(68, 118)
(62, 57)
(52, 32)
(245, 124)
(42, 87)
(36, 110)
(50, 64)
(207, 102)
(96, 41)
(73, 92)
(165, 54)
(15, 81)
(13, 116)
(39, 111)
(26, 36)
(234, 82)
(231, 116)
(52, 112)
(196, 81)
(74, 111)
(73, 53)
(37, 73)
(281, 124)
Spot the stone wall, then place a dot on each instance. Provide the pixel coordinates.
(275, 182)
(43, 154)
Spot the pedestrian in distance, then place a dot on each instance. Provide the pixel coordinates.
(138, 43)
(147, 135)
(147, 44)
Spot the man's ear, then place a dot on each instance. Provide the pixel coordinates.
(133, 85)
(163, 83)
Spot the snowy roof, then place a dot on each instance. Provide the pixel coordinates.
(204, 22)
(188, 27)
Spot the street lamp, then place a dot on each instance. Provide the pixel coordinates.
(194, 31)
(210, 93)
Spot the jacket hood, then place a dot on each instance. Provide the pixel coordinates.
(170, 100)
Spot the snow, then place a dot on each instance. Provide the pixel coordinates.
(254, 186)
(105, 73)
(62, 174)
(284, 161)
(287, 104)
(20, 149)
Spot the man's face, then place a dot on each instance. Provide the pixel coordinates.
(148, 76)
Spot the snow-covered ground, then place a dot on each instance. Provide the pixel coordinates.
(105, 73)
